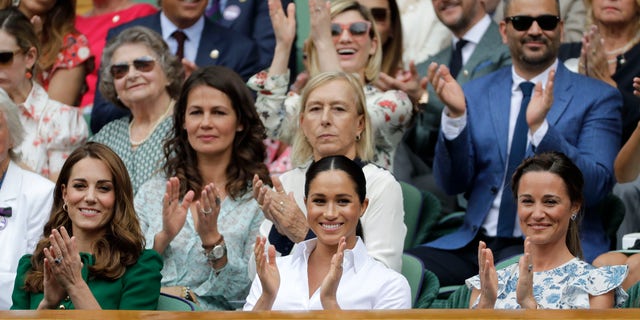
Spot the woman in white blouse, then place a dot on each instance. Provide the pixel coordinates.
(334, 121)
(333, 271)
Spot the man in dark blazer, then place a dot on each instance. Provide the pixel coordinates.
(214, 45)
(483, 54)
(251, 19)
(580, 117)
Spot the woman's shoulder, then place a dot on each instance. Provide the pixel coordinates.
(380, 175)
(114, 130)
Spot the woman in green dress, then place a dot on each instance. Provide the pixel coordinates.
(92, 254)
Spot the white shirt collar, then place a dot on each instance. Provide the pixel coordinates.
(193, 32)
(476, 32)
(542, 77)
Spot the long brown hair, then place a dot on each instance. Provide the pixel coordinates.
(560, 165)
(392, 49)
(123, 240)
(247, 156)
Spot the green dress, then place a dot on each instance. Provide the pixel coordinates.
(137, 289)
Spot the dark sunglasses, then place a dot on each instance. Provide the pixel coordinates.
(521, 23)
(6, 57)
(142, 64)
(355, 29)
(379, 14)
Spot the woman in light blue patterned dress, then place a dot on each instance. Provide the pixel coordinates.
(205, 224)
(550, 274)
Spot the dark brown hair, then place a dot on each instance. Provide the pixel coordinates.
(247, 156)
(560, 165)
(123, 240)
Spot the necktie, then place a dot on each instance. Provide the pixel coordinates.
(507, 217)
(180, 38)
(213, 12)
(456, 58)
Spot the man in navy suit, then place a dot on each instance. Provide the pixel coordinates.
(206, 43)
(577, 116)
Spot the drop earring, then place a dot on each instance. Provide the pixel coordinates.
(28, 75)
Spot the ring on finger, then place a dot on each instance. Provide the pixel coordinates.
(57, 260)
(206, 212)
(530, 267)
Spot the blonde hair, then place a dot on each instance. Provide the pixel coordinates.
(302, 149)
(372, 69)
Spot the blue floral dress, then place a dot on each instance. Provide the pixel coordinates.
(565, 287)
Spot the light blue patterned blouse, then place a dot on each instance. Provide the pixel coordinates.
(184, 260)
(143, 162)
(565, 287)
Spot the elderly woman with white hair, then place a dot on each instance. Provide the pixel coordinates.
(25, 200)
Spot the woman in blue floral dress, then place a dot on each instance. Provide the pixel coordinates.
(550, 274)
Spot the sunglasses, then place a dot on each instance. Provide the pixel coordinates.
(6, 57)
(355, 29)
(379, 14)
(521, 23)
(142, 64)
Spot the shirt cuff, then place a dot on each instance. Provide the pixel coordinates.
(536, 137)
(452, 127)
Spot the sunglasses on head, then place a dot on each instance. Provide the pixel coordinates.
(521, 23)
(142, 64)
(6, 57)
(355, 29)
(379, 14)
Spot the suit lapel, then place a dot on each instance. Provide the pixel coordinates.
(499, 109)
(484, 52)
(562, 94)
(209, 41)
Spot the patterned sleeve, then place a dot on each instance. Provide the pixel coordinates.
(74, 52)
(66, 130)
(598, 281)
(149, 207)
(277, 108)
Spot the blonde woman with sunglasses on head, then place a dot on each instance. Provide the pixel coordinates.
(140, 74)
(343, 38)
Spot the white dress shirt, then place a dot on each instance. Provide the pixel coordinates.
(194, 33)
(451, 128)
(365, 284)
(382, 224)
(30, 197)
(473, 36)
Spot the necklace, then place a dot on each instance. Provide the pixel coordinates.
(135, 143)
(616, 55)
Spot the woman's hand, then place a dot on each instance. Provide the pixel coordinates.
(283, 211)
(208, 210)
(524, 288)
(636, 86)
(448, 89)
(64, 268)
(329, 286)
(320, 35)
(284, 28)
(593, 60)
(174, 214)
(488, 277)
(268, 274)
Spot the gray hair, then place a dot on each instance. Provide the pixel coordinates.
(169, 64)
(12, 119)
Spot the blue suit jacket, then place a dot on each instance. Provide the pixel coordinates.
(235, 51)
(253, 22)
(584, 123)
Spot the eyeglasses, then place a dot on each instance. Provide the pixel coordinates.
(6, 57)
(355, 29)
(379, 14)
(521, 23)
(142, 64)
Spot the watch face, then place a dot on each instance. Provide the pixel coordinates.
(218, 252)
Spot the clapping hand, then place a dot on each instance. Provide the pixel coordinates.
(329, 286)
(488, 277)
(174, 214)
(208, 209)
(540, 104)
(268, 273)
(281, 209)
(524, 288)
(448, 89)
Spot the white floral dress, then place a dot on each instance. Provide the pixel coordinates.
(389, 113)
(565, 287)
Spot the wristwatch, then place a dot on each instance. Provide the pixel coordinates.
(217, 252)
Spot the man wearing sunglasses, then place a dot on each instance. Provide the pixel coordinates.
(484, 136)
(482, 54)
(206, 43)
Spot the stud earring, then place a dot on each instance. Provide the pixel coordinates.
(358, 137)
(15, 3)
(574, 216)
